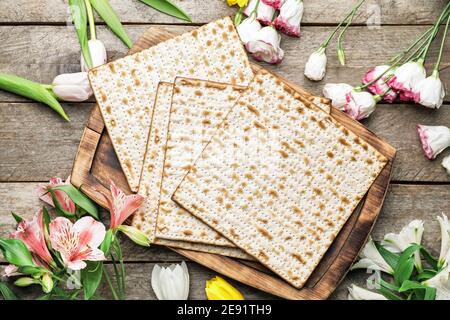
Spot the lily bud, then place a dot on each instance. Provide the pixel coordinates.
(446, 163)
(434, 139)
(290, 17)
(98, 55)
(406, 78)
(265, 46)
(47, 283)
(380, 86)
(74, 87)
(264, 13)
(360, 104)
(337, 92)
(316, 65)
(248, 28)
(135, 235)
(25, 282)
(430, 92)
(219, 289)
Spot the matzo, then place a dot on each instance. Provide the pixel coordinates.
(145, 217)
(282, 178)
(198, 108)
(125, 89)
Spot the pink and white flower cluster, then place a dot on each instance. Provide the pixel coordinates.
(259, 33)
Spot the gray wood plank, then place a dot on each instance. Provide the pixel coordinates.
(51, 50)
(316, 12)
(37, 144)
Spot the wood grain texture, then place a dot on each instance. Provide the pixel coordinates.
(54, 49)
(403, 204)
(133, 11)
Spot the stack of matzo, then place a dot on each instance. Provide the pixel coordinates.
(255, 172)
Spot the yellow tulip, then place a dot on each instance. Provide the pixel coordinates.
(240, 3)
(218, 289)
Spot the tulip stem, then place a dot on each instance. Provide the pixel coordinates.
(327, 41)
(90, 15)
(441, 50)
(436, 28)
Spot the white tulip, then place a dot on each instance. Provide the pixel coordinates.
(337, 92)
(316, 65)
(360, 104)
(372, 259)
(410, 234)
(434, 139)
(248, 28)
(171, 283)
(446, 163)
(444, 256)
(98, 55)
(358, 293)
(74, 87)
(441, 283)
(430, 92)
(265, 46)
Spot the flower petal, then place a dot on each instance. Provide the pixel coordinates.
(91, 232)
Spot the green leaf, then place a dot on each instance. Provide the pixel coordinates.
(16, 217)
(390, 257)
(80, 20)
(410, 285)
(32, 90)
(432, 261)
(6, 292)
(106, 244)
(388, 285)
(107, 13)
(389, 294)
(31, 270)
(91, 277)
(430, 293)
(16, 252)
(79, 198)
(169, 8)
(426, 274)
(405, 265)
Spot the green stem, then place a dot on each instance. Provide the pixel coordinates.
(255, 9)
(437, 25)
(349, 22)
(441, 50)
(108, 279)
(327, 41)
(122, 266)
(90, 15)
(117, 276)
(404, 52)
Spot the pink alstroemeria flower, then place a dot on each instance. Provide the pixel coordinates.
(434, 139)
(380, 86)
(274, 3)
(122, 206)
(66, 203)
(77, 242)
(32, 234)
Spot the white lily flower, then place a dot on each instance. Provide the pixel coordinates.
(446, 163)
(74, 87)
(441, 283)
(98, 55)
(337, 92)
(316, 65)
(372, 259)
(171, 283)
(410, 234)
(444, 256)
(248, 28)
(358, 293)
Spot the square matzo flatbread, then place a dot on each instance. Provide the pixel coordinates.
(150, 184)
(125, 89)
(282, 178)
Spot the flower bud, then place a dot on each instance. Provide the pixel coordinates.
(434, 139)
(430, 92)
(265, 46)
(74, 87)
(98, 55)
(219, 289)
(137, 236)
(47, 283)
(248, 28)
(25, 282)
(288, 21)
(316, 65)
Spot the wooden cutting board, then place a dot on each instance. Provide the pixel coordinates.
(96, 163)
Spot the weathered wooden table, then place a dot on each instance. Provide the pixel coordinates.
(35, 144)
